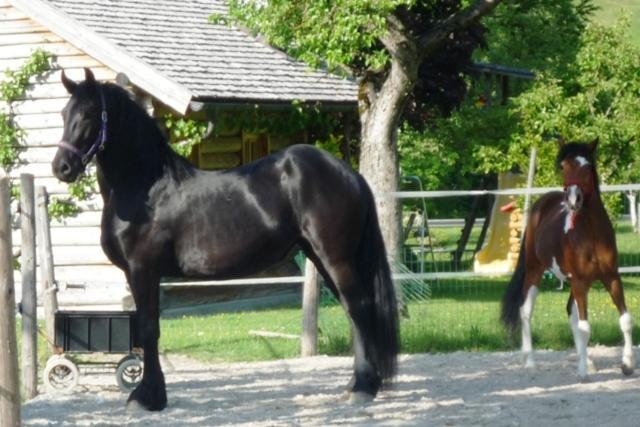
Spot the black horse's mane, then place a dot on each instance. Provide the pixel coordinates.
(131, 124)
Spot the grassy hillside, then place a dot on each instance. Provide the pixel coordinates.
(610, 10)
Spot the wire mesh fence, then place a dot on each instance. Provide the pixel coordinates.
(451, 305)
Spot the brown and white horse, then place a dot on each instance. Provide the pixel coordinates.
(570, 234)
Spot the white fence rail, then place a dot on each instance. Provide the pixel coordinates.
(614, 188)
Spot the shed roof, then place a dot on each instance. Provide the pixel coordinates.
(169, 49)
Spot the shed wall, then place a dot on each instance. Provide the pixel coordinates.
(77, 254)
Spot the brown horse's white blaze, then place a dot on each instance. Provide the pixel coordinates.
(569, 233)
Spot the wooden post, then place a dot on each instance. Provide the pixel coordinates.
(9, 388)
(310, 299)
(29, 298)
(49, 288)
(527, 197)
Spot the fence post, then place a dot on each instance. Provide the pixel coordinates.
(637, 229)
(310, 299)
(49, 288)
(9, 388)
(633, 209)
(28, 279)
(527, 197)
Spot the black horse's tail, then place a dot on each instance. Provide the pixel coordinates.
(513, 297)
(376, 276)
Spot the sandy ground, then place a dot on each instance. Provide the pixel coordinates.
(457, 389)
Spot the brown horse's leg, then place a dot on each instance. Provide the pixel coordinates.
(151, 392)
(613, 284)
(580, 325)
(530, 290)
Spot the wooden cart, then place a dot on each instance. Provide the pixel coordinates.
(85, 340)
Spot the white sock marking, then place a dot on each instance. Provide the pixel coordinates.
(526, 313)
(581, 334)
(626, 325)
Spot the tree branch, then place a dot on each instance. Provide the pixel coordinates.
(396, 39)
(433, 38)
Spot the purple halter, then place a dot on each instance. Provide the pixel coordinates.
(98, 145)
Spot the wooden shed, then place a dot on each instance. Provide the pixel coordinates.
(174, 60)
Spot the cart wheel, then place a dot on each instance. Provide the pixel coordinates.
(129, 373)
(61, 375)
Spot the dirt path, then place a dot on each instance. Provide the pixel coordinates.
(457, 389)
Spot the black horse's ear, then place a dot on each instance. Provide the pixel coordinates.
(560, 141)
(88, 75)
(594, 144)
(68, 84)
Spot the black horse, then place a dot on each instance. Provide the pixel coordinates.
(163, 217)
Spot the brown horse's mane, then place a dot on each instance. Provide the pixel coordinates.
(575, 149)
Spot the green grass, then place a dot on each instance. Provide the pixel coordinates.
(465, 316)
(225, 337)
(461, 315)
(610, 11)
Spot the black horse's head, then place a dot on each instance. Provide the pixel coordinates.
(577, 163)
(85, 127)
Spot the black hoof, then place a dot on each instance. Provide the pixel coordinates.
(627, 370)
(148, 398)
(364, 384)
(360, 398)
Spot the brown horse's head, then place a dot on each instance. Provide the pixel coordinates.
(577, 163)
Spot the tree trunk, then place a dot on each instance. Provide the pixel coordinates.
(379, 166)
(381, 108)
(379, 152)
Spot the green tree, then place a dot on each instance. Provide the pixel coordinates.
(588, 88)
(389, 45)
(597, 97)
(540, 35)
(517, 36)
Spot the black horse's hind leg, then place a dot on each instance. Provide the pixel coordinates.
(151, 392)
(366, 381)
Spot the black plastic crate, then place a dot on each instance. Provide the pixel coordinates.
(96, 331)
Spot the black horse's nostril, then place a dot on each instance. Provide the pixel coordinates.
(65, 169)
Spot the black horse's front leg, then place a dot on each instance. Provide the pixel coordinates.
(151, 392)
